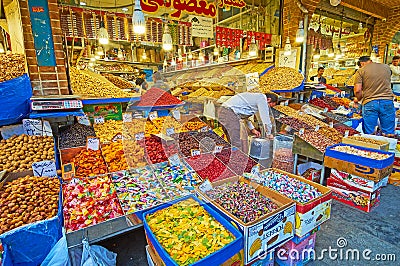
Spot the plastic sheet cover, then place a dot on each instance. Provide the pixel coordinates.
(14, 99)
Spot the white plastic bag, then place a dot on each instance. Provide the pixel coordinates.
(97, 255)
(209, 110)
(58, 255)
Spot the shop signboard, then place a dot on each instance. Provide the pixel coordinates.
(201, 26)
(198, 7)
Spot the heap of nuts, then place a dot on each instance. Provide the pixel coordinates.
(119, 82)
(285, 110)
(11, 66)
(331, 133)
(281, 78)
(318, 141)
(107, 130)
(186, 143)
(89, 163)
(26, 200)
(368, 140)
(19, 152)
(294, 123)
(362, 153)
(75, 136)
(86, 85)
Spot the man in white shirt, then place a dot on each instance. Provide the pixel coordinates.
(238, 109)
(395, 68)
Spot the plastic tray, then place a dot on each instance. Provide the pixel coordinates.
(215, 258)
(377, 164)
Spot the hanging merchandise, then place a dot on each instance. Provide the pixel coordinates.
(229, 38)
(138, 21)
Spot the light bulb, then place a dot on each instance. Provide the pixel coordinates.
(167, 39)
(100, 51)
(144, 55)
(190, 55)
(103, 34)
(120, 54)
(360, 26)
(216, 51)
(300, 33)
(97, 57)
(288, 47)
(138, 20)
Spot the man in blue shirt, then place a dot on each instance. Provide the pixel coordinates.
(236, 111)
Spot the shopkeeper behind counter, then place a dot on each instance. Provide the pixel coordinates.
(319, 78)
(235, 113)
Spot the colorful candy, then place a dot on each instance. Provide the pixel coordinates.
(290, 187)
(242, 200)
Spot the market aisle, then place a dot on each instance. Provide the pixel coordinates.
(377, 231)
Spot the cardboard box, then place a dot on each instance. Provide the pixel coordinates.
(382, 147)
(269, 231)
(353, 182)
(298, 240)
(216, 258)
(110, 111)
(368, 168)
(362, 200)
(296, 254)
(313, 213)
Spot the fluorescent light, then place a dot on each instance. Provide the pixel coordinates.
(167, 39)
(124, 9)
(103, 34)
(138, 20)
(82, 3)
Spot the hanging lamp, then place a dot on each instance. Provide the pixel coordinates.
(102, 34)
(253, 48)
(100, 51)
(300, 32)
(288, 47)
(317, 54)
(166, 39)
(144, 55)
(138, 20)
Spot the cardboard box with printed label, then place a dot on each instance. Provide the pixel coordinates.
(265, 233)
(313, 213)
(292, 254)
(368, 168)
(353, 182)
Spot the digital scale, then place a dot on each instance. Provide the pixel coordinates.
(48, 103)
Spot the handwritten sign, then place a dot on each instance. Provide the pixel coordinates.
(342, 94)
(325, 110)
(139, 136)
(195, 152)
(316, 127)
(84, 120)
(301, 131)
(34, 127)
(218, 148)
(202, 26)
(205, 186)
(153, 115)
(204, 129)
(288, 60)
(44, 168)
(346, 133)
(99, 120)
(117, 137)
(199, 7)
(255, 170)
(174, 160)
(313, 97)
(176, 114)
(170, 131)
(331, 124)
(286, 102)
(127, 117)
(252, 81)
(92, 143)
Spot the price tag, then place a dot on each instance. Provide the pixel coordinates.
(92, 143)
(325, 109)
(195, 152)
(331, 124)
(218, 148)
(346, 133)
(204, 129)
(313, 97)
(286, 102)
(117, 137)
(255, 170)
(174, 160)
(282, 104)
(205, 186)
(301, 113)
(139, 136)
(316, 127)
(343, 94)
(170, 131)
(84, 120)
(176, 114)
(153, 115)
(252, 81)
(324, 94)
(68, 171)
(337, 94)
(44, 168)
(34, 127)
(99, 120)
(127, 117)
(301, 131)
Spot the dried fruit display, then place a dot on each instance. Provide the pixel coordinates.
(134, 153)
(209, 167)
(193, 125)
(11, 66)
(17, 153)
(130, 129)
(155, 150)
(294, 123)
(361, 152)
(368, 140)
(85, 85)
(321, 103)
(186, 143)
(75, 136)
(331, 133)
(106, 131)
(336, 117)
(318, 141)
(88, 202)
(343, 128)
(167, 124)
(27, 200)
(114, 156)
(351, 80)
(183, 230)
(89, 163)
(158, 97)
(283, 159)
(342, 101)
(209, 140)
(281, 78)
(285, 110)
(236, 160)
(119, 82)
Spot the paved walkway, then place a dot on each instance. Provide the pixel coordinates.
(378, 231)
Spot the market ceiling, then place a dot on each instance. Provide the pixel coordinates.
(377, 8)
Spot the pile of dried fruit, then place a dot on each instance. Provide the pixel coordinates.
(119, 82)
(11, 66)
(89, 163)
(107, 130)
(318, 141)
(281, 78)
(183, 230)
(27, 200)
(368, 140)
